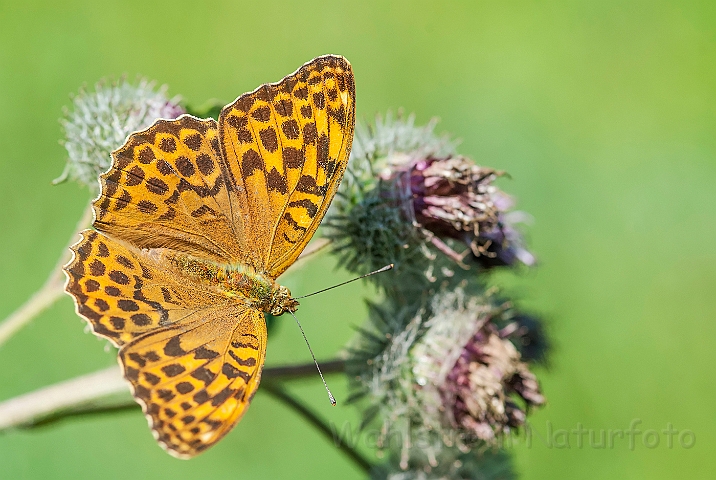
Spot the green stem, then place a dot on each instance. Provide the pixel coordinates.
(288, 372)
(278, 392)
(106, 391)
(51, 291)
(86, 411)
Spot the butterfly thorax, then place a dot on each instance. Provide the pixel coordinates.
(239, 281)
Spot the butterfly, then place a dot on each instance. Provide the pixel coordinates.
(194, 222)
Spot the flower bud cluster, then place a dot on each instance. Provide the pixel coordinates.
(440, 364)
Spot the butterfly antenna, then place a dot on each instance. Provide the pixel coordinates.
(380, 270)
(330, 395)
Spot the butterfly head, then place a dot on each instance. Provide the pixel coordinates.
(281, 301)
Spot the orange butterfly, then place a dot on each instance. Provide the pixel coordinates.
(194, 221)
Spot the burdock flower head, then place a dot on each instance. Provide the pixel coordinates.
(407, 193)
(447, 382)
(483, 386)
(100, 121)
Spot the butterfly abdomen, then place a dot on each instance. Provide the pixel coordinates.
(241, 282)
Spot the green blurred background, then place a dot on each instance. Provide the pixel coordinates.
(602, 112)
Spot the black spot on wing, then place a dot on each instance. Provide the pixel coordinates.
(311, 208)
(232, 372)
(277, 182)
(289, 219)
(173, 348)
(251, 161)
(244, 362)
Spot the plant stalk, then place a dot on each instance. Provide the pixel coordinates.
(277, 391)
(107, 391)
(50, 292)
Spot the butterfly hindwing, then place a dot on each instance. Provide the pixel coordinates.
(192, 356)
(287, 146)
(124, 294)
(195, 380)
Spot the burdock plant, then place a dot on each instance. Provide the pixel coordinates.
(442, 365)
(438, 368)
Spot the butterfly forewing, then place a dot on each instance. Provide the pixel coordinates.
(287, 146)
(167, 189)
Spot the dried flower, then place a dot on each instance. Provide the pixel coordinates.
(503, 245)
(476, 372)
(408, 198)
(451, 197)
(446, 380)
(479, 386)
(100, 122)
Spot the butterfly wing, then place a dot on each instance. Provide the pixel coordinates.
(123, 294)
(192, 356)
(167, 188)
(196, 380)
(252, 189)
(286, 146)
